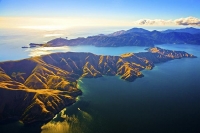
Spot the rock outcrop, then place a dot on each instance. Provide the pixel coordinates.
(37, 88)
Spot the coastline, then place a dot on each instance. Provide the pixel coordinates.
(64, 69)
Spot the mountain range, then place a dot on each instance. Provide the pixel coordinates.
(131, 37)
(190, 30)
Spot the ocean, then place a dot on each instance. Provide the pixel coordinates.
(165, 100)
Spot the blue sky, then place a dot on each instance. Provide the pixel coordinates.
(123, 12)
(134, 9)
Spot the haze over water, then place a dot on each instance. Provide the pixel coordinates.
(13, 39)
(165, 100)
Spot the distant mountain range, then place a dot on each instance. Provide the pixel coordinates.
(132, 37)
(190, 30)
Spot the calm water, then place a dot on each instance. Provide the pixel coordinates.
(165, 100)
(13, 39)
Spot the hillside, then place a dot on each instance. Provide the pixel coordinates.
(37, 88)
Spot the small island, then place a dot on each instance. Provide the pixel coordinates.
(37, 88)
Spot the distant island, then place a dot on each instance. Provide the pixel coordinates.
(37, 88)
(132, 37)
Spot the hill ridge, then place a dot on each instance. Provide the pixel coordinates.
(131, 37)
(37, 88)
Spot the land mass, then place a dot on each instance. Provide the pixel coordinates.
(37, 88)
(131, 37)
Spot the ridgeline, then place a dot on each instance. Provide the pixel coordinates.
(37, 88)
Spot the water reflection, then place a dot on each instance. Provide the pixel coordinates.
(69, 121)
(46, 50)
(85, 115)
(56, 127)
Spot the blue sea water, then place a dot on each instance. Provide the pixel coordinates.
(165, 100)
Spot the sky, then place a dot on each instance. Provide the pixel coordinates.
(58, 14)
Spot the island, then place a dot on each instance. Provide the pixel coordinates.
(37, 88)
(131, 37)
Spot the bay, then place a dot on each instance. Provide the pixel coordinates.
(165, 100)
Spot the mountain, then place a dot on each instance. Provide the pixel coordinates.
(104, 41)
(133, 30)
(137, 30)
(132, 37)
(190, 30)
(37, 88)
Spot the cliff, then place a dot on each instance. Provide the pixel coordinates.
(37, 88)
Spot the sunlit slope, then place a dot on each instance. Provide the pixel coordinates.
(35, 89)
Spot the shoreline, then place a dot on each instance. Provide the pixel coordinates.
(60, 71)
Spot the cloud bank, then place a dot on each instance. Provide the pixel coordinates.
(181, 21)
(154, 22)
(188, 21)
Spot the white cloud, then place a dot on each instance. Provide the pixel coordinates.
(51, 24)
(181, 21)
(188, 21)
(154, 22)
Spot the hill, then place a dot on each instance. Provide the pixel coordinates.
(37, 88)
(190, 30)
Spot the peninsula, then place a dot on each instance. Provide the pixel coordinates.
(37, 88)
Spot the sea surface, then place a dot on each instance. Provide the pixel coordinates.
(165, 100)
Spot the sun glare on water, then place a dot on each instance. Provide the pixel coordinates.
(46, 50)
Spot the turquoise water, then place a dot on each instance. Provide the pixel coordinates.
(165, 100)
